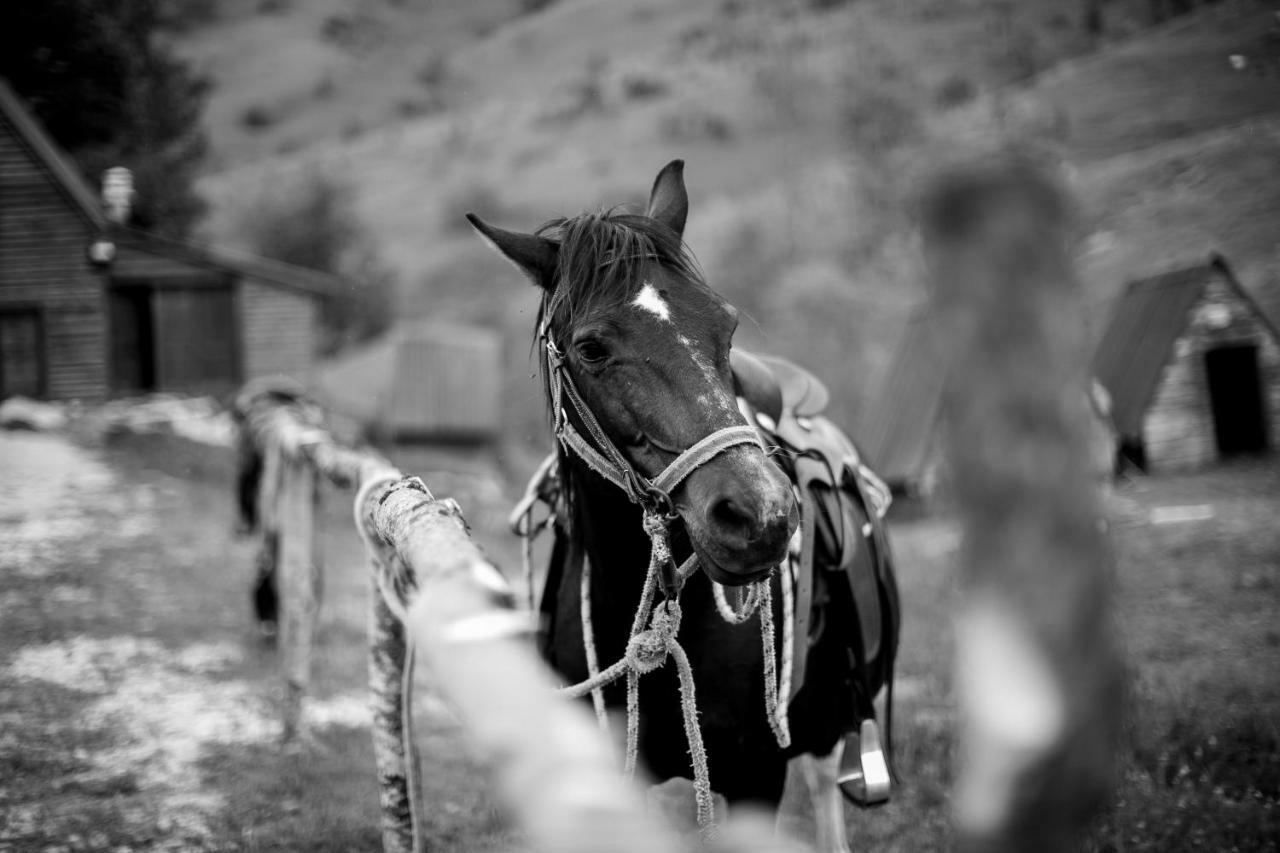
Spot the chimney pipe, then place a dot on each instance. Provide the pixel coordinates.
(117, 193)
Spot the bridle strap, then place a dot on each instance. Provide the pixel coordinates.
(609, 462)
(704, 451)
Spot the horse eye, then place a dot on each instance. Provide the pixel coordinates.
(592, 351)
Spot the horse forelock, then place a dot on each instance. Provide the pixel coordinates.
(603, 256)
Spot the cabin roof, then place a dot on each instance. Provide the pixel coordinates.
(897, 432)
(65, 175)
(86, 203)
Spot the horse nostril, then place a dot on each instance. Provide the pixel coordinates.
(732, 518)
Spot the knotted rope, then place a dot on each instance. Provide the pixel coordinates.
(647, 650)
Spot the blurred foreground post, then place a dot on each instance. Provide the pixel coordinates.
(1038, 671)
(553, 767)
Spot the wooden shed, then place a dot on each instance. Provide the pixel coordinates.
(1193, 367)
(420, 382)
(90, 309)
(1187, 372)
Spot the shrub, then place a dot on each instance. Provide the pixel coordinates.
(877, 121)
(693, 123)
(530, 7)
(434, 71)
(183, 15)
(325, 88)
(954, 91)
(312, 222)
(257, 117)
(639, 87)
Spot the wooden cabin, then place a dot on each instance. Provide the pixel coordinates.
(91, 309)
(1188, 367)
(1193, 367)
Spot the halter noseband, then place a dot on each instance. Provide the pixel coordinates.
(654, 496)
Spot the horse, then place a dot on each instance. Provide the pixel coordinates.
(635, 351)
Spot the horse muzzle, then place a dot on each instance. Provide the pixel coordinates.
(741, 514)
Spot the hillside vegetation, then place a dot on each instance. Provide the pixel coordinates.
(806, 127)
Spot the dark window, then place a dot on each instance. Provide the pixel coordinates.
(173, 337)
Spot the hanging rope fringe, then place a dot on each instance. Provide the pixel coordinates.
(589, 643)
(648, 649)
(759, 597)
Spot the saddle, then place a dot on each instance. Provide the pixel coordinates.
(772, 386)
(844, 546)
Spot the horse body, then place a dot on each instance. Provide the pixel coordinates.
(643, 346)
(745, 760)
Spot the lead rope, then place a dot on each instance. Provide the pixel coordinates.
(589, 643)
(646, 651)
(776, 683)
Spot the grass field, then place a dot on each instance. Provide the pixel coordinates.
(137, 704)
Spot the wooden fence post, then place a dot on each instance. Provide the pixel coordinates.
(394, 757)
(299, 582)
(1038, 671)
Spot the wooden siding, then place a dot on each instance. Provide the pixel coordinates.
(278, 330)
(1178, 429)
(447, 385)
(43, 240)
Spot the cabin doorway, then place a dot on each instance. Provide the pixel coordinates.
(21, 353)
(172, 337)
(133, 348)
(1235, 393)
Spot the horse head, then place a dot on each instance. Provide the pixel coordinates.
(644, 342)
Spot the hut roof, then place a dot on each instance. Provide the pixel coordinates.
(897, 432)
(67, 178)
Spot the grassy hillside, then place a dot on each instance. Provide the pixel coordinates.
(805, 125)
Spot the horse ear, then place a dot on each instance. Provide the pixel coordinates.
(669, 202)
(533, 255)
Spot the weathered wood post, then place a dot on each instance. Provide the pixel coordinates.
(284, 428)
(553, 768)
(1038, 672)
(299, 584)
(391, 689)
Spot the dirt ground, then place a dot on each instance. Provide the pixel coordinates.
(138, 703)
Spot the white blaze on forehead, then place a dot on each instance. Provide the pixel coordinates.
(650, 300)
(722, 400)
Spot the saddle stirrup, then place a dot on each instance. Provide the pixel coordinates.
(864, 775)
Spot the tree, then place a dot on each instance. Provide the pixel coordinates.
(109, 91)
(311, 221)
